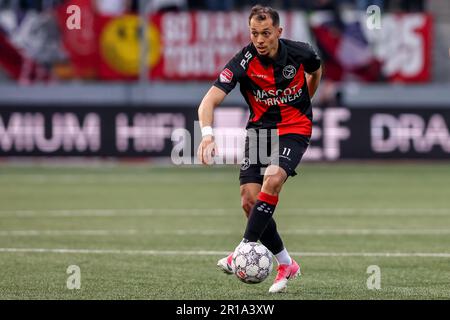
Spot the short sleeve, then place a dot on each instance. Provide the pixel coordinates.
(312, 60)
(230, 75)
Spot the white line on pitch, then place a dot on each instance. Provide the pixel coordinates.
(223, 253)
(66, 232)
(104, 178)
(331, 231)
(113, 212)
(210, 232)
(222, 212)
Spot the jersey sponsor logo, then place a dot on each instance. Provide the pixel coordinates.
(226, 76)
(276, 97)
(289, 71)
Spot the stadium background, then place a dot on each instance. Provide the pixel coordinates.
(87, 169)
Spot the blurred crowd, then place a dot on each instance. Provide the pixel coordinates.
(117, 7)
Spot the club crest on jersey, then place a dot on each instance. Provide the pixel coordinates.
(289, 71)
(226, 76)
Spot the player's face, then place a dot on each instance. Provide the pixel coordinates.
(264, 36)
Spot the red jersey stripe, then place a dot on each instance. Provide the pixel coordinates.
(263, 78)
(292, 119)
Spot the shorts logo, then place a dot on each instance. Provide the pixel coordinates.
(226, 76)
(245, 164)
(289, 71)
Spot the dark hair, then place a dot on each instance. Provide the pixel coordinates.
(262, 13)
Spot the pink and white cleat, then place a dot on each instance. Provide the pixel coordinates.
(285, 273)
(224, 264)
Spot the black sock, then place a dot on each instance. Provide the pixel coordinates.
(271, 238)
(260, 216)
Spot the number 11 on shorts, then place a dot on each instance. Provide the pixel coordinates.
(286, 151)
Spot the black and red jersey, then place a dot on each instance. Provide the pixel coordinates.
(275, 90)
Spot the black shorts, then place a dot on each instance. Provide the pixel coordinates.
(263, 149)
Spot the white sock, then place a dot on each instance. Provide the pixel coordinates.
(283, 257)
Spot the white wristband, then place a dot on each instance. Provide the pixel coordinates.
(207, 131)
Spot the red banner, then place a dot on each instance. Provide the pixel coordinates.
(407, 53)
(197, 45)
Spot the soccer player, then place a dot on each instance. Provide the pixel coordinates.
(278, 78)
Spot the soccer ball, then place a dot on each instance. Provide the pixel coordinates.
(252, 262)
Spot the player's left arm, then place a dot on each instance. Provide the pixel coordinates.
(313, 81)
(313, 68)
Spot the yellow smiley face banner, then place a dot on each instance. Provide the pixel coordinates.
(119, 46)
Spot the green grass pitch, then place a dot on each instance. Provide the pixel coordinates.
(143, 232)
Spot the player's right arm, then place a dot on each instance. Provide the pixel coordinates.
(207, 148)
(226, 81)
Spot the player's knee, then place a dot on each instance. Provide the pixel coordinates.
(273, 183)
